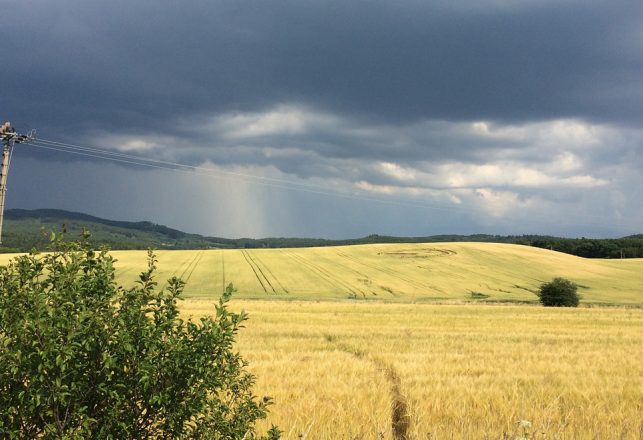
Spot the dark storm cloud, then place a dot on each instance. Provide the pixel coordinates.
(140, 65)
(497, 107)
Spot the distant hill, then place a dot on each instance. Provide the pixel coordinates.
(28, 229)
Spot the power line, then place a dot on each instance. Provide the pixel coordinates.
(265, 181)
(274, 182)
(175, 166)
(129, 159)
(105, 152)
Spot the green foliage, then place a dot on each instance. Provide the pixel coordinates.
(81, 357)
(479, 295)
(559, 292)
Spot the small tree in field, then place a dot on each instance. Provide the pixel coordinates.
(559, 292)
(81, 357)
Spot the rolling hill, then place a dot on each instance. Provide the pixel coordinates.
(29, 229)
(424, 272)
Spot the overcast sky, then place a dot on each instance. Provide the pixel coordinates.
(333, 118)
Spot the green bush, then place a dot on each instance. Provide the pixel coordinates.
(81, 357)
(559, 292)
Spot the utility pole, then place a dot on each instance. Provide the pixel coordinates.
(9, 137)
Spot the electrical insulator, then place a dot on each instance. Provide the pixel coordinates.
(5, 128)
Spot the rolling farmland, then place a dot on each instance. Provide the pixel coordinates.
(438, 272)
(376, 341)
(358, 367)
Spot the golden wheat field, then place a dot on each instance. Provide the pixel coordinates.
(396, 272)
(430, 272)
(336, 369)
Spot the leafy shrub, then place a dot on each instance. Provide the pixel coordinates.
(479, 295)
(559, 292)
(81, 357)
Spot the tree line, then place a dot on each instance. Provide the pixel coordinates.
(24, 231)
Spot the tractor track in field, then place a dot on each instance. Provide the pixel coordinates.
(391, 272)
(364, 276)
(254, 262)
(243, 252)
(254, 270)
(193, 265)
(400, 410)
(326, 275)
(265, 266)
(222, 272)
(183, 268)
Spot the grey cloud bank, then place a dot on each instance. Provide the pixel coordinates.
(504, 117)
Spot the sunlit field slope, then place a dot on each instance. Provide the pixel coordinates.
(433, 272)
(337, 369)
(399, 273)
